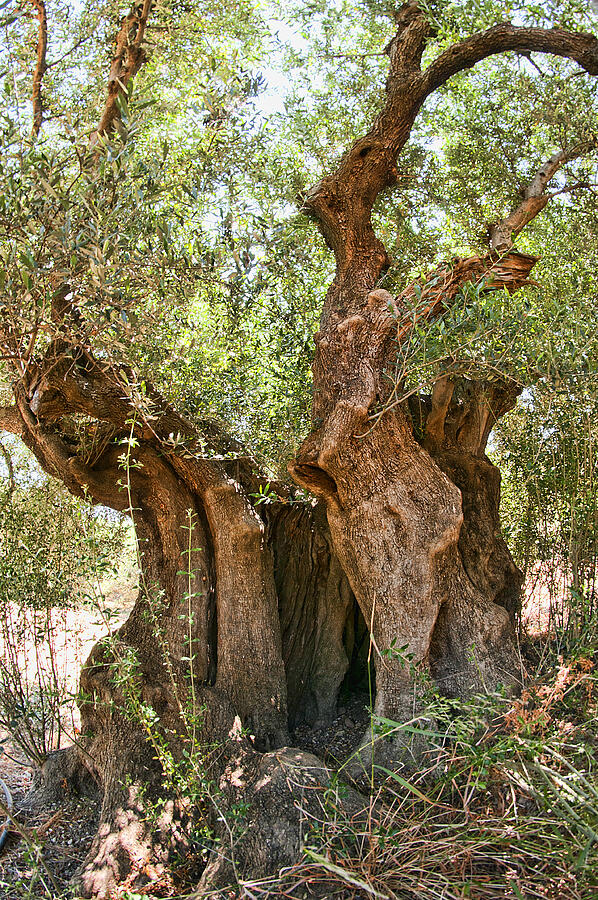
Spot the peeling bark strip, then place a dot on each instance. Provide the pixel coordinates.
(442, 286)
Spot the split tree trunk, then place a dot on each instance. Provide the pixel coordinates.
(415, 523)
(397, 522)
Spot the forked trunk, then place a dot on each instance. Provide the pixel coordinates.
(415, 524)
(241, 621)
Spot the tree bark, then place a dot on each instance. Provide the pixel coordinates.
(403, 514)
(396, 521)
(315, 606)
(201, 662)
(415, 520)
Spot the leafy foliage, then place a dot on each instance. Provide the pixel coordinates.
(50, 543)
(175, 247)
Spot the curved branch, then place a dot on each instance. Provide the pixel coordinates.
(428, 301)
(58, 459)
(40, 66)
(71, 381)
(583, 48)
(535, 196)
(343, 201)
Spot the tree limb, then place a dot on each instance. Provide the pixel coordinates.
(342, 202)
(442, 286)
(10, 471)
(129, 56)
(40, 66)
(583, 48)
(442, 394)
(535, 196)
(57, 458)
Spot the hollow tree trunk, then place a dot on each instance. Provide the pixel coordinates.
(315, 605)
(405, 517)
(396, 519)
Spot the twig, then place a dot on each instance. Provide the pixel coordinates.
(31, 841)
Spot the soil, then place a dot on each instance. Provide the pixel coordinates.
(41, 860)
(334, 743)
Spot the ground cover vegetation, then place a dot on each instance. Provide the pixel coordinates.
(266, 290)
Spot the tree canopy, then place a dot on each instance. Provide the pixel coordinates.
(183, 234)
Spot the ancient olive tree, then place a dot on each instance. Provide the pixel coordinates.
(242, 621)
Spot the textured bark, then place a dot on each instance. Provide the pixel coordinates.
(127, 846)
(396, 519)
(285, 792)
(201, 655)
(204, 630)
(535, 196)
(455, 425)
(482, 547)
(128, 57)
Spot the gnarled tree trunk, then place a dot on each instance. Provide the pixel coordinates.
(234, 612)
(427, 582)
(240, 627)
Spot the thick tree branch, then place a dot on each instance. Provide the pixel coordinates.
(40, 66)
(468, 424)
(10, 419)
(59, 459)
(70, 381)
(583, 48)
(493, 272)
(129, 56)
(342, 202)
(108, 402)
(442, 394)
(535, 196)
(10, 471)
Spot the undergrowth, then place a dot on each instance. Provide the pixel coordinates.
(506, 808)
